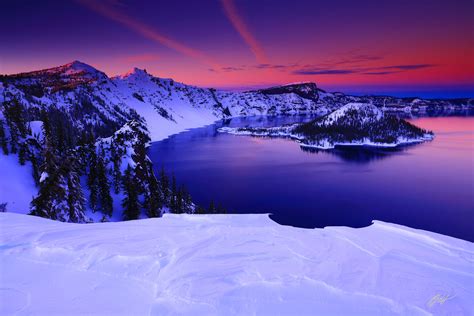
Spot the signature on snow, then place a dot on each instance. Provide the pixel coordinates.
(439, 299)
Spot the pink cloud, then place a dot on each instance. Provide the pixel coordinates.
(106, 9)
(232, 14)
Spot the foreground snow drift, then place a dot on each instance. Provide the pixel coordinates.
(229, 264)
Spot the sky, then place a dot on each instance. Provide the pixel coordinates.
(403, 47)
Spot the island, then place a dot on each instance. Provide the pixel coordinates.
(354, 124)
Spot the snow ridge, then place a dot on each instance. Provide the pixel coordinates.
(230, 265)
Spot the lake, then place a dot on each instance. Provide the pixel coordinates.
(428, 186)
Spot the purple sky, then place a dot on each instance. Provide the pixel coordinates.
(422, 47)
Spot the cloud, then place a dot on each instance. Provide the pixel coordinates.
(272, 66)
(408, 67)
(281, 67)
(108, 10)
(230, 68)
(232, 14)
(381, 73)
(356, 58)
(324, 72)
(379, 70)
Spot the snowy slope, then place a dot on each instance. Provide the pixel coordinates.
(229, 265)
(17, 186)
(365, 113)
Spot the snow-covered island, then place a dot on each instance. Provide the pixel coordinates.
(355, 124)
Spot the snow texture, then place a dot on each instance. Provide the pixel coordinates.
(17, 186)
(229, 265)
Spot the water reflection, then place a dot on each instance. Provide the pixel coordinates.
(428, 186)
(360, 154)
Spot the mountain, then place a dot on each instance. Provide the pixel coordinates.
(92, 100)
(76, 131)
(306, 90)
(352, 124)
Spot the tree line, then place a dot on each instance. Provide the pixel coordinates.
(115, 167)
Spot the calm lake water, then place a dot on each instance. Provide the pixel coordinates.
(428, 186)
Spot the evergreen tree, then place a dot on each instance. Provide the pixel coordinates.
(200, 210)
(106, 202)
(22, 153)
(92, 181)
(46, 126)
(173, 196)
(220, 209)
(60, 135)
(75, 196)
(173, 185)
(153, 200)
(130, 204)
(187, 201)
(60, 195)
(179, 201)
(164, 184)
(142, 162)
(212, 208)
(116, 172)
(51, 192)
(3, 139)
(34, 163)
(84, 145)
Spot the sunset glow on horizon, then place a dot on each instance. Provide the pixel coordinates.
(404, 47)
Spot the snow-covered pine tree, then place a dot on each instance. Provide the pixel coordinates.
(3, 138)
(84, 147)
(164, 185)
(142, 162)
(92, 181)
(106, 202)
(187, 201)
(130, 204)
(46, 126)
(173, 196)
(35, 172)
(179, 201)
(22, 152)
(154, 198)
(51, 193)
(75, 197)
(116, 158)
(15, 118)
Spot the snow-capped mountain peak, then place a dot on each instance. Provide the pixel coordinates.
(136, 73)
(79, 68)
(66, 76)
(72, 70)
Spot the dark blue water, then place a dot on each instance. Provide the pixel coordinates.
(428, 186)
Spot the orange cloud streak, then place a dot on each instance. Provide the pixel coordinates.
(112, 14)
(240, 26)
